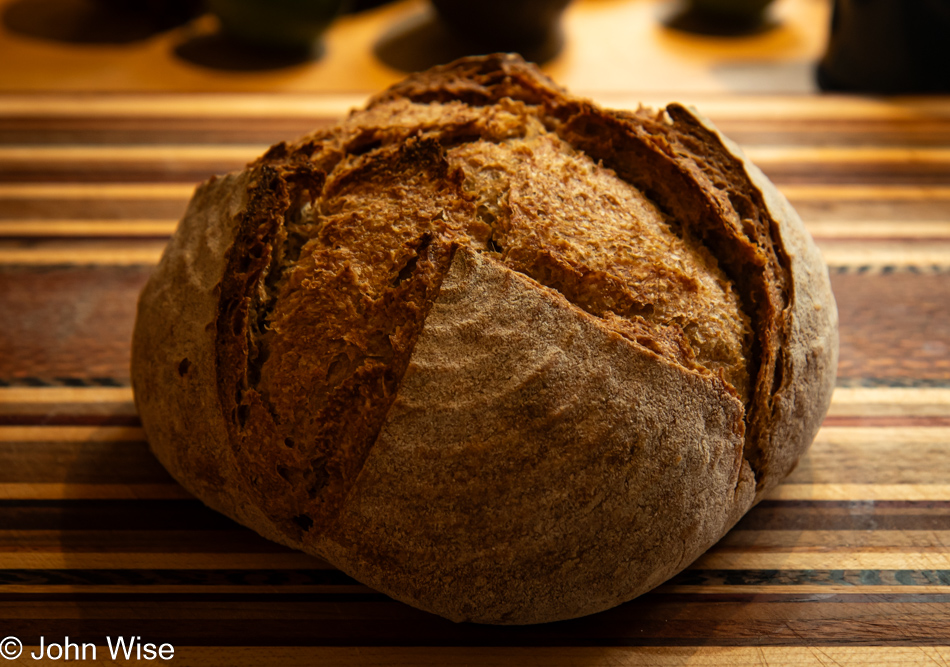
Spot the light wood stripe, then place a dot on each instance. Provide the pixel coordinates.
(821, 229)
(120, 227)
(765, 155)
(903, 229)
(787, 491)
(70, 434)
(866, 193)
(170, 105)
(845, 402)
(880, 254)
(889, 402)
(567, 656)
(477, 656)
(790, 589)
(65, 395)
(828, 434)
(835, 560)
(564, 656)
(768, 155)
(212, 589)
(847, 434)
(887, 435)
(830, 540)
(105, 254)
(326, 105)
(836, 253)
(58, 491)
(860, 492)
(358, 589)
(795, 107)
(815, 492)
(46, 560)
(125, 191)
(132, 191)
(873, 461)
(86, 154)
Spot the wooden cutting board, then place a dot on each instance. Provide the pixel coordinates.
(846, 563)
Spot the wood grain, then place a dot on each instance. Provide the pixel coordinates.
(75, 323)
(477, 656)
(846, 563)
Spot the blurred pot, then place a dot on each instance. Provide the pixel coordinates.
(277, 24)
(888, 46)
(505, 25)
(164, 13)
(745, 10)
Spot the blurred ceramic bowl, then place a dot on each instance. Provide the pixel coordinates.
(276, 24)
(503, 25)
(739, 9)
(162, 12)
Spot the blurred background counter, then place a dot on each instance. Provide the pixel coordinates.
(611, 47)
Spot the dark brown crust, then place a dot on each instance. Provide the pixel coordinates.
(324, 350)
(684, 167)
(305, 424)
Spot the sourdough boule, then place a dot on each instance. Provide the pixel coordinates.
(488, 348)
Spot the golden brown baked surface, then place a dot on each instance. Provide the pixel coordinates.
(487, 347)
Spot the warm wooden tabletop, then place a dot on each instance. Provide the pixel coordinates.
(848, 563)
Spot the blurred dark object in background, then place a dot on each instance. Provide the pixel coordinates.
(219, 51)
(722, 17)
(97, 21)
(165, 13)
(277, 25)
(355, 6)
(530, 27)
(888, 46)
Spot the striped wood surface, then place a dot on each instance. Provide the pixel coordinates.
(847, 563)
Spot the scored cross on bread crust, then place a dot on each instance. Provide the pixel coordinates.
(489, 348)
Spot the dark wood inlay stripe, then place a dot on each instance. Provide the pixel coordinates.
(114, 515)
(61, 381)
(80, 463)
(63, 323)
(236, 540)
(51, 204)
(660, 620)
(195, 171)
(348, 598)
(157, 130)
(131, 129)
(797, 515)
(159, 515)
(174, 577)
(36, 415)
(860, 580)
(98, 208)
(856, 578)
(77, 323)
(892, 325)
(67, 418)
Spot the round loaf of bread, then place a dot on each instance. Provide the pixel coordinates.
(488, 348)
